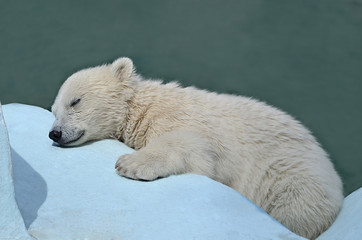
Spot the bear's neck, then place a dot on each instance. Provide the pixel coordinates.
(135, 130)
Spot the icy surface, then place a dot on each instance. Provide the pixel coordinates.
(74, 193)
(348, 224)
(11, 224)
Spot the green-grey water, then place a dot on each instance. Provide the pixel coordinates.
(304, 57)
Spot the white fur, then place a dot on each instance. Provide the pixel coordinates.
(254, 148)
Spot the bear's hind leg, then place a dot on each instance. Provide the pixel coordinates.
(175, 152)
(303, 206)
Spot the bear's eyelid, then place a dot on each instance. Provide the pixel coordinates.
(74, 102)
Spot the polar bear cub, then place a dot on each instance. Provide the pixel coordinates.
(254, 148)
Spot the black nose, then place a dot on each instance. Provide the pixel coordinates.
(55, 135)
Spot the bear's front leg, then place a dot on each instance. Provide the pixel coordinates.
(175, 152)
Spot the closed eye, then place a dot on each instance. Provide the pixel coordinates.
(75, 102)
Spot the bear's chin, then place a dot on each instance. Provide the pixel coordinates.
(72, 142)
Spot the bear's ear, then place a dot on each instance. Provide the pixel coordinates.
(123, 68)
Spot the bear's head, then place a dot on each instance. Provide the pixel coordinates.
(92, 103)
